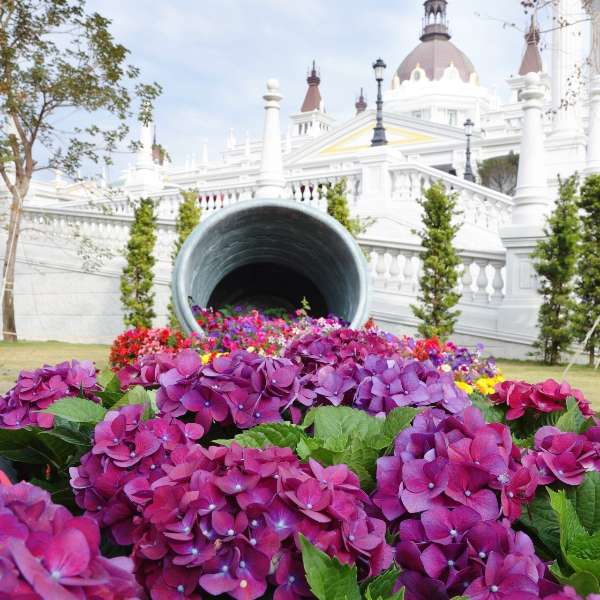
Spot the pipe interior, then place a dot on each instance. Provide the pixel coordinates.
(274, 254)
(267, 286)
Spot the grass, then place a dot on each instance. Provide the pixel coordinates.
(30, 355)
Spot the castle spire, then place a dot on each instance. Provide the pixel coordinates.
(532, 59)
(312, 100)
(361, 103)
(435, 23)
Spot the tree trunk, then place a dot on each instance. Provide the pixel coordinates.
(9, 326)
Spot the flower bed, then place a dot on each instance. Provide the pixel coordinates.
(326, 462)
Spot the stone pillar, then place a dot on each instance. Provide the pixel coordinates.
(567, 61)
(270, 178)
(517, 315)
(593, 141)
(531, 197)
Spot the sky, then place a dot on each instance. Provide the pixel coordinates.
(213, 57)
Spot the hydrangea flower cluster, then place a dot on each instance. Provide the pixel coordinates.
(245, 389)
(46, 552)
(141, 341)
(564, 457)
(545, 397)
(36, 390)
(125, 447)
(242, 388)
(452, 461)
(250, 329)
(315, 350)
(453, 552)
(364, 369)
(226, 520)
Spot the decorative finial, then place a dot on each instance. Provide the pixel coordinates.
(361, 103)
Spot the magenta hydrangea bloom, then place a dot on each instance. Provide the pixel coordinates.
(36, 390)
(454, 460)
(146, 371)
(127, 456)
(544, 397)
(220, 519)
(564, 456)
(366, 369)
(46, 552)
(452, 552)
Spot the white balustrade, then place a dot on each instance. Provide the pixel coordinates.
(480, 206)
(395, 269)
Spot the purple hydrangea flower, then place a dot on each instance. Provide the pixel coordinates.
(36, 390)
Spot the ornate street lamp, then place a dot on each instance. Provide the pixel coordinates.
(469, 176)
(379, 131)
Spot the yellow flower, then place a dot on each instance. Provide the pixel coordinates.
(464, 386)
(205, 358)
(486, 385)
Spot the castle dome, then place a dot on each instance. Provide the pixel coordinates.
(436, 52)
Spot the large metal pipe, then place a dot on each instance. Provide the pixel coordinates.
(271, 253)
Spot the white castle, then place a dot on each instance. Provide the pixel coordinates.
(58, 295)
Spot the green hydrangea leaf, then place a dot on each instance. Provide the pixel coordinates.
(572, 419)
(382, 586)
(333, 421)
(492, 413)
(283, 435)
(398, 420)
(77, 410)
(327, 578)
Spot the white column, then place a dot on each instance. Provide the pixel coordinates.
(567, 62)
(270, 179)
(593, 141)
(531, 197)
(517, 315)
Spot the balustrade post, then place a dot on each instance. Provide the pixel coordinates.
(467, 281)
(408, 283)
(380, 268)
(482, 282)
(497, 284)
(394, 281)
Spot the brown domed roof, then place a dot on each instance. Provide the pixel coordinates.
(436, 52)
(434, 56)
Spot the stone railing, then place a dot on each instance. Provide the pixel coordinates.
(480, 206)
(395, 268)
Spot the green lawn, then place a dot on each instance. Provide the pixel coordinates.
(29, 355)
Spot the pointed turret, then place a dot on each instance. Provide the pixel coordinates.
(532, 59)
(312, 100)
(361, 103)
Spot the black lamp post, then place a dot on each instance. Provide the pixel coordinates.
(379, 131)
(469, 175)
